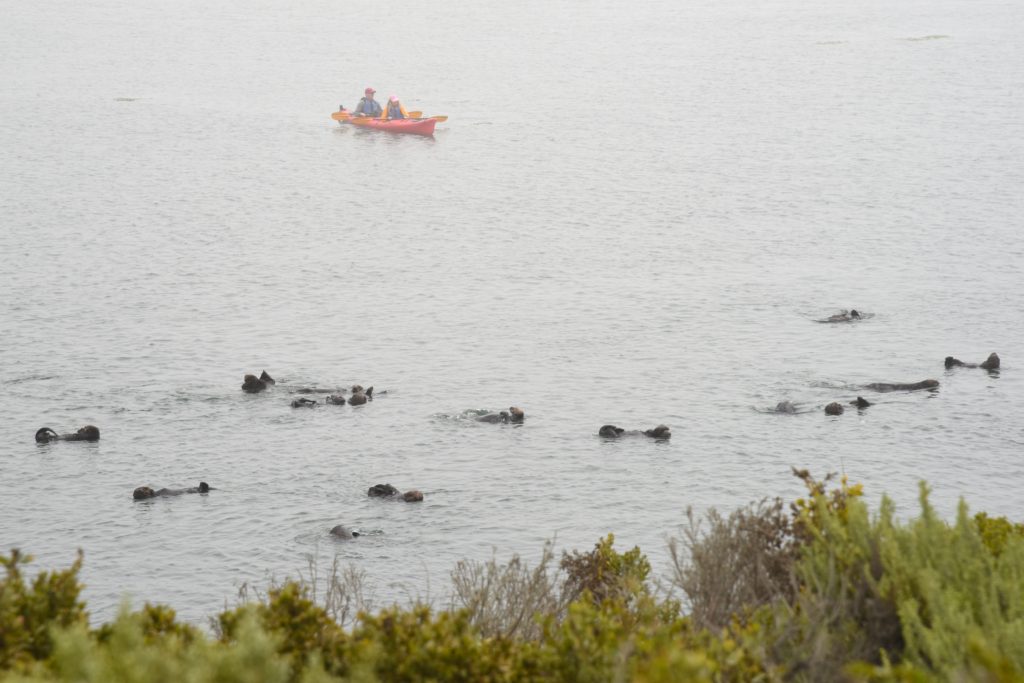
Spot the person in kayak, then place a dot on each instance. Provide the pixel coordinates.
(395, 109)
(368, 106)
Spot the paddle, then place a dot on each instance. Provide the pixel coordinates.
(348, 116)
(419, 115)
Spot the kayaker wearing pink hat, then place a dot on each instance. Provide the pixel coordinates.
(368, 106)
(395, 109)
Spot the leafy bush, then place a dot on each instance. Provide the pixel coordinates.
(27, 614)
(996, 531)
(415, 644)
(604, 574)
(130, 655)
(301, 627)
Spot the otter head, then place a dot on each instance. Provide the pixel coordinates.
(834, 409)
(341, 531)
(382, 491)
(413, 496)
(659, 432)
(203, 487)
(516, 414)
(991, 363)
(143, 492)
(610, 431)
(357, 388)
(89, 433)
(45, 435)
(253, 384)
(854, 313)
(951, 362)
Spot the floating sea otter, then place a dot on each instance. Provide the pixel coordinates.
(787, 407)
(389, 492)
(86, 433)
(303, 403)
(613, 432)
(253, 384)
(843, 317)
(834, 409)
(886, 386)
(344, 532)
(144, 492)
(990, 363)
(359, 397)
(512, 415)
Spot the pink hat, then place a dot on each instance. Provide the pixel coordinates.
(394, 98)
(369, 91)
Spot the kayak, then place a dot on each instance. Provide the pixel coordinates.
(412, 126)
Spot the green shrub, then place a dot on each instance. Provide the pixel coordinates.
(301, 627)
(417, 645)
(996, 531)
(156, 622)
(130, 655)
(917, 595)
(605, 574)
(951, 591)
(27, 614)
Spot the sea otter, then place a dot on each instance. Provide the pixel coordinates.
(886, 386)
(389, 492)
(335, 399)
(359, 397)
(990, 363)
(253, 384)
(834, 409)
(86, 433)
(861, 403)
(303, 403)
(613, 432)
(144, 492)
(513, 415)
(843, 317)
(344, 532)
(787, 407)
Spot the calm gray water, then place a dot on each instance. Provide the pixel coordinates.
(632, 216)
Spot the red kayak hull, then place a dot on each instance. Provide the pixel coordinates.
(411, 126)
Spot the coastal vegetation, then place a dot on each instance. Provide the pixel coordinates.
(817, 589)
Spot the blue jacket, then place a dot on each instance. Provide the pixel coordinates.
(369, 107)
(395, 110)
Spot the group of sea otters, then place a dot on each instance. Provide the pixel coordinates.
(254, 385)
(836, 408)
(514, 415)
